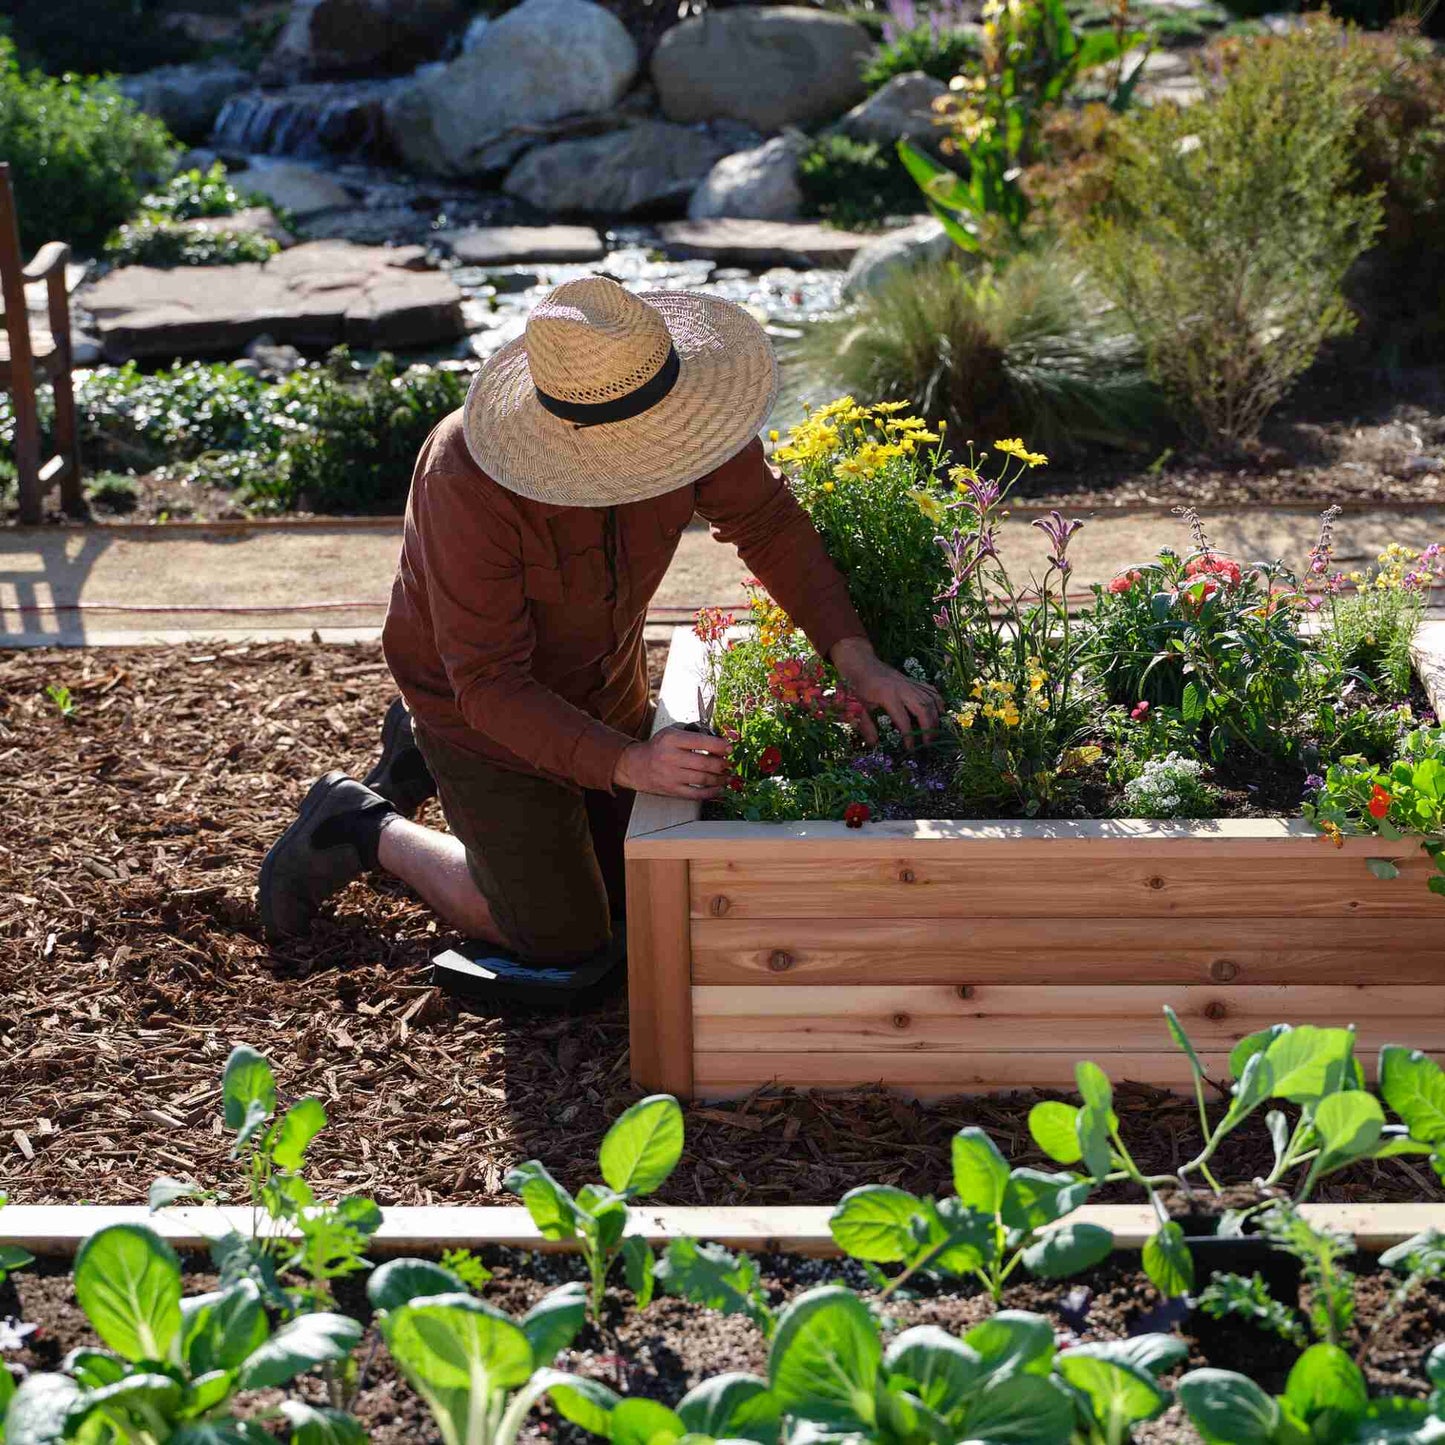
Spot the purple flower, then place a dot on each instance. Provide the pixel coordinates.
(1314, 783)
(965, 551)
(1324, 549)
(1058, 531)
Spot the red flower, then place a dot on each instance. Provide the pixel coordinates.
(1140, 712)
(1379, 802)
(712, 624)
(1124, 581)
(734, 783)
(856, 814)
(770, 761)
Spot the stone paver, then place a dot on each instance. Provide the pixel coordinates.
(512, 245)
(732, 241)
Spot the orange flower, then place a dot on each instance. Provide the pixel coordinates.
(1379, 803)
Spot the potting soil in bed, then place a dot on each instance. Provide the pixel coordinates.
(131, 960)
(665, 1350)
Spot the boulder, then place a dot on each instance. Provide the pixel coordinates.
(315, 295)
(769, 67)
(924, 240)
(542, 61)
(512, 245)
(302, 190)
(902, 107)
(760, 244)
(330, 38)
(760, 184)
(259, 220)
(648, 167)
(187, 97)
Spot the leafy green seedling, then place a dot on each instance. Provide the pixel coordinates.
(1413, 1085)
(999, 1219)
(479, 1371)
(717, 1279)
(60, 696)
(638, 1153)
(1116, 1386)
(467, 1268)
(730, 1407)
(1324, 1402)
(172, 1367)
(1235, 1296)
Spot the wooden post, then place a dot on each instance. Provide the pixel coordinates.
(659, 975)
(22, 364)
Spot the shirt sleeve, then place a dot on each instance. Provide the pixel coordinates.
(748, 503)
(471, 559)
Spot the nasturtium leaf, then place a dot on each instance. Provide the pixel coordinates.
(586, 1403)
(1119, 1394)
(1034, 1198)
(307, 1340)
(1019, 1410)
(165, 1190)
(1013, 1342)
(1349, 1126)
(639, 1268)
(1252, 1044)
(643, 1146)
(1413, 1085)
(553, 1322)
(299, 1125)
(219, 1330)
(37, 1413)
(321, 1425)
(1228, 1409)
(399, 1281)
(246, 1081)
(128, 1282)
(825, 1358)
(639, 1421)
(1053, 1125)
(1168, 1262)
(1383, 868)
(1326, 1386)
(1094, 1086)
(980, 1172)
(1309, 1062)
(730, 1404)
(875, 1222)
(454, 1341)
(1067, 1250)
(552, 1208)
(940, 1370)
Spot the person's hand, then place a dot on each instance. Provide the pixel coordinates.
(676, 763)
(913, 706)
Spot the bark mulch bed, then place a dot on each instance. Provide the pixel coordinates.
(131, 960)
(664, 1351)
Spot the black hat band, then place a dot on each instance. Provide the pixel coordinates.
(621, 408)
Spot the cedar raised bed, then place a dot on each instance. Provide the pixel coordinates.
(942, 957)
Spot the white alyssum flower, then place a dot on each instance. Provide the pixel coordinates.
(1167, 787)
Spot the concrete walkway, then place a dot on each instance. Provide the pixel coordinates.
(97, 585)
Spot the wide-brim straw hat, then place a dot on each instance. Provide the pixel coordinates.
(612, 397)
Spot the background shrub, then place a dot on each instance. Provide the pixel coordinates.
(855, 184)
(936, 51)
(1020, 348)
(149, 242)
(1231, 227)
(80, 154)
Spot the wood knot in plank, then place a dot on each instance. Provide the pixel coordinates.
(907, 875)
(1223, 970)
(780, 961)
(1155, 882)
(718, 906)
(900, 1021)
(1216, 1010)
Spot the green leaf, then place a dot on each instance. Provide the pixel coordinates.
(37, 1413)
(222, 1432)
(1168, 1262)
(1327, 1391)
(1228, 1409)
(1436, 884)
(139, 1397)
(553, 1322)
(1252, 1044)
(321, 1425)
(306, 1341)
(639, 1269)
(205, 1392)
(731, 1405)
(1349, 1126)
(1013, 1342)
(1191, 705)
(1034, 1199)
(1094, 1086)
(166, 1190)
(399, 1281)
(1413, 1085)
(1093, 1129)
(875, 1222)
(247, 1082)
(553, 1210)
(219, 1330)
(638, 1421)
(94, 1368)
(300, 1124)
(1068, 1250)
(940, 1370)
(1309, 1062)
(251, 1126)
(969, 1240)
(717, 1279)
(1253, 1086)
(644, 1145)
(825, 1357)
(7, 1393)
(1182, 1040)
(1119, 1394)
(457, 1342)
(940, 185)
(1053, 1125)
(586, 1403)
(1154, 1354)
(980, 1172)
(128, 1282)
(1020, 1410)
(1382, 868)
(1435, 1366)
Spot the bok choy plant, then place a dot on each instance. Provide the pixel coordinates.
(172, 1367)
(480, 1371)
(638, 1153)
(999, 1219)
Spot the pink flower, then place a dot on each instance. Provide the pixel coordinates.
(1211, 564)
(1124, 581)
(1140, 712)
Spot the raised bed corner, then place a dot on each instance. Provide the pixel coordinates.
(946, 957)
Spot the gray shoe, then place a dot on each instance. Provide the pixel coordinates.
(401, 776)
(297, 876)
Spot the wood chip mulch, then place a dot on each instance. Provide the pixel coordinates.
(131, 960)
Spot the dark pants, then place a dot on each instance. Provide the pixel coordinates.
(547, 859)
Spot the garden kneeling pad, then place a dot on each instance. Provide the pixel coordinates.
(483, 973)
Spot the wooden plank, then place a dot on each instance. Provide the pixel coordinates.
(659, 982)
(677, 700)
(1082, 1020)
(990, 883)
(792, 952)
(57, 1230)
(1429, 655)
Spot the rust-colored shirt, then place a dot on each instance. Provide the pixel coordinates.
(515, 628)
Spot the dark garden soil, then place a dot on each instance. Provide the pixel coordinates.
(131, 960)
(667, 1349)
